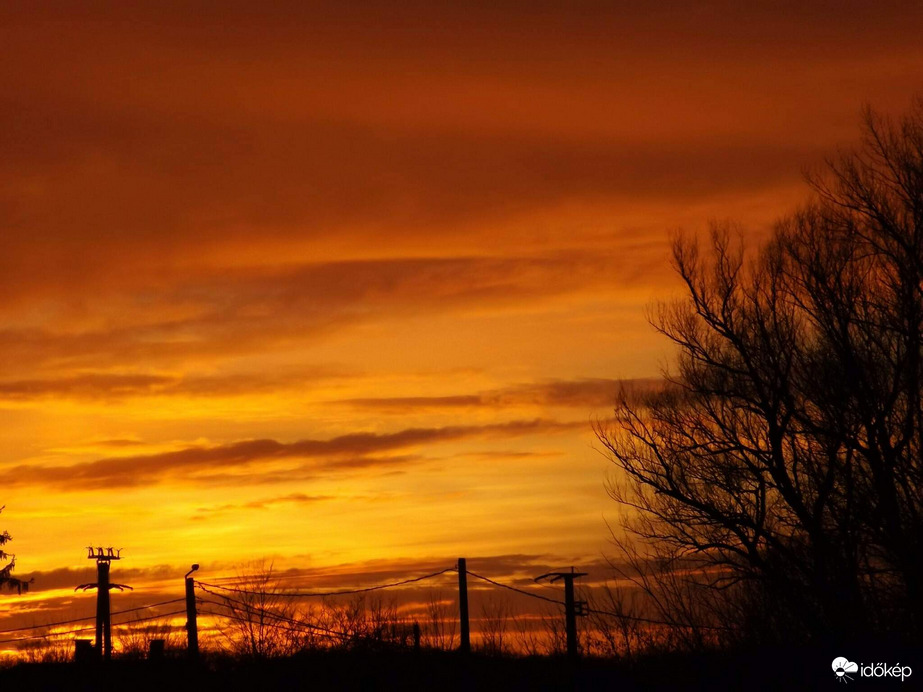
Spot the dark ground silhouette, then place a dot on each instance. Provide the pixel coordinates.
(765, 668)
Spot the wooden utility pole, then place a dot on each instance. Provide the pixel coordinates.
(103, 586)
(463, 605)
(192, 624)
(572, 608)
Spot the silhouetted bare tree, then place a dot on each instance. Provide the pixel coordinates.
(258, 618)
(440, 629)
(134, 639)
(365, 623)
(782, 461)
(495, 620)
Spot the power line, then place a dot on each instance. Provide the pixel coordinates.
(145, 607)
(251, 608)
(89, 617)
(90, 629)
(230, 603)
(151, 617)
(596, 611)
(346, 592)
(300, 626)
(513, 588)
(50, 624)
(268, 613)
(48, 634)
(650, 621)
(281, 576)
(274, 626)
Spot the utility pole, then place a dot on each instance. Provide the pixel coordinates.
(192, 625)
(572, 608)
(463, 605)
(103, 586)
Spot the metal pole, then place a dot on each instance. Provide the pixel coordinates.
(192, 625)
(463, 605)
(570, 616)
(100, 611)
(102, 596)
(102, 647)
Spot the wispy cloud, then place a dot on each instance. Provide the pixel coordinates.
(583, 393)
(261, 310)
(115, 386)
(580, 393)
(297, 499)
(346, 452)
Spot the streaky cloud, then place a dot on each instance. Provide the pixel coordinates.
(345, 452)
(581, 393)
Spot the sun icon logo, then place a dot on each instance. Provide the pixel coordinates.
(842, 666)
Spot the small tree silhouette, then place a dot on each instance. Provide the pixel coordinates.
(7, 564)
(258, 615)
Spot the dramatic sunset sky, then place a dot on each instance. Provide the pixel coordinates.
(344, 285)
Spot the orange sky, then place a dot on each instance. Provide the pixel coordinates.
(347, 285)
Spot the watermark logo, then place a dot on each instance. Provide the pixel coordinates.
(843, 668)
(846, 670)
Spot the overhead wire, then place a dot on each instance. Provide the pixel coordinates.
(88, 617)
(651, 621)
(230, 603)
(325, 594)
(513, 588)
(251, 609)
(273, 625)
(596, 611)
(49, 624)
(90, 629)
